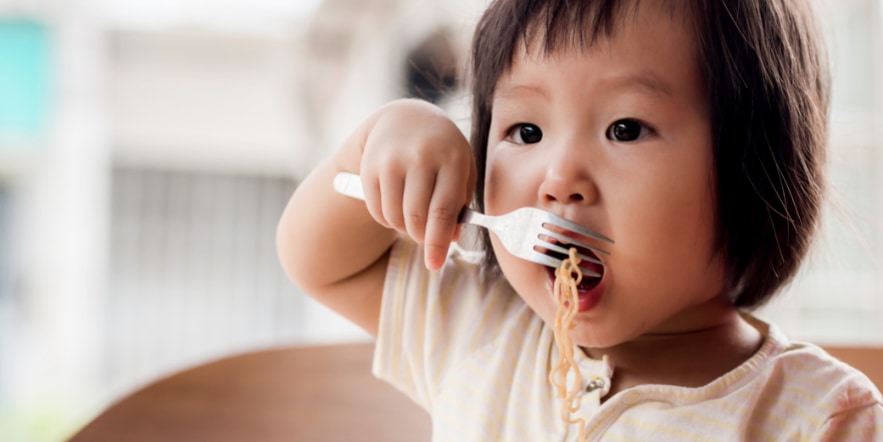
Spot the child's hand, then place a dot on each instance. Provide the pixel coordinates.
(418, 172)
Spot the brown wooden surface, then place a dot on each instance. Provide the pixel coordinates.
(296, 394)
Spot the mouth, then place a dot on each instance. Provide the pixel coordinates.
(591, 265)
(591, 287)
(589, 256)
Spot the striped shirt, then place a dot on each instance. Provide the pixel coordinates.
(477, 358)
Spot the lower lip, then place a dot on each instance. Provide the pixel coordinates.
(588, 299)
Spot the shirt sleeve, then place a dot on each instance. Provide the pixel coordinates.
(405, 293)
(430, 321)
(856, 412)
(858, 424)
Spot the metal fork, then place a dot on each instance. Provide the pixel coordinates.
(521, 231)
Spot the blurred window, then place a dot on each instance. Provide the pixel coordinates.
(837, 297)
(193, 270)
(5, 246)
(8, 325)
(24, 81)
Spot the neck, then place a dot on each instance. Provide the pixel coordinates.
(690, 357)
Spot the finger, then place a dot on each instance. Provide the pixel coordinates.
(457, 231)
(469, 194)
(470, 183)
(371, 189)
(391, 188)
(417, 197)
(441, 220)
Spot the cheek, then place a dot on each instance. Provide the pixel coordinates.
(672, 240)
(512, 178)
(529, 280)
(498, 186)
(491, 183)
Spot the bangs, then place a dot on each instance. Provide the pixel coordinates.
(545, 27)
(553, 26)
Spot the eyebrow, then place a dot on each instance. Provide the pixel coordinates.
(646, 80)
(517, 90)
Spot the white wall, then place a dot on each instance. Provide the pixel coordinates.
(202, 99)
(60, 222)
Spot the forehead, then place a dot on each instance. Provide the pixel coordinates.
(650, 48)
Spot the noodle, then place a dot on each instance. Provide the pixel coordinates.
(565, 293)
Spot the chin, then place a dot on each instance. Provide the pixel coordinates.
(591, 336)
(595, 342)
(600, 336)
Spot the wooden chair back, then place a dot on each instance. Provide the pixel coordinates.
(323, 393)
(295, 394)
(867, 359)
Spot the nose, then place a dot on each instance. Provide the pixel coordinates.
(568, 178)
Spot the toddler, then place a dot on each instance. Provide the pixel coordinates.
(690, 132)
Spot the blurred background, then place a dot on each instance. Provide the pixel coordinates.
(147, 149)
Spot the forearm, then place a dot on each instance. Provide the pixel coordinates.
(324, 238)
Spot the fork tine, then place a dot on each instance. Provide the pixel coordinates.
(569, 240)
(542, 258)
(590, 273)
(566, 251)
(582, 230)
(549, 261)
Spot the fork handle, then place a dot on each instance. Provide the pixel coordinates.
(350, 184)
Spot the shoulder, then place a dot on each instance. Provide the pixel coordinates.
(815, 369)
(798, 389)
(848, 405)
(809, 369)
(822, 387)
(832, 380)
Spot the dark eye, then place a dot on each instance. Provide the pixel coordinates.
(526, 133)
(626, 130)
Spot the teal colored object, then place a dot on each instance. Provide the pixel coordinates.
(24, 82)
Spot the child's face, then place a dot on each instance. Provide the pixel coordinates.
(616, 137)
